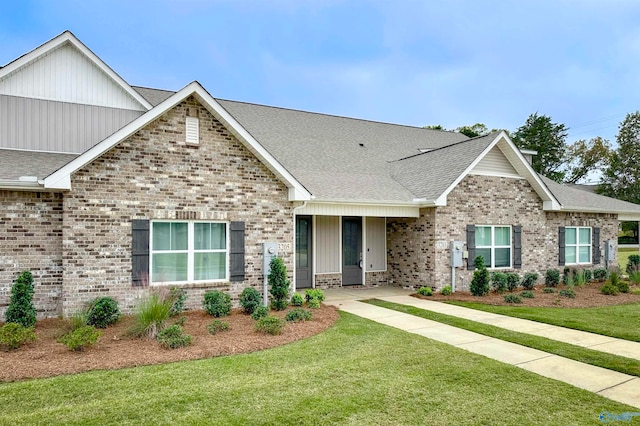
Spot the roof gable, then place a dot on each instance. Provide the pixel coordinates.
(63, 69)
(495, 163)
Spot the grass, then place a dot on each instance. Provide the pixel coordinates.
(577, 353)
(357, 372)
(614, 321)
(623, 257)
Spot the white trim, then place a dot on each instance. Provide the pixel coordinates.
(363, 253)
(68, 37)
(39, 150)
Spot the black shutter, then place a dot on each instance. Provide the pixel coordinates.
(471, 247)
(596, 246)
(236, 253)
(561, 246)
(517, 246)
(140, 252)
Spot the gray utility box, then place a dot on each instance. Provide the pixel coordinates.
(456, 254)
(269, 251)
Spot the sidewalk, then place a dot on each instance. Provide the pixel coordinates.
(610, 384)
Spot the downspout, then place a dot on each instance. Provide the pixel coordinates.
(293, 216)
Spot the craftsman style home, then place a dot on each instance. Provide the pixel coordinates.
(113, 189)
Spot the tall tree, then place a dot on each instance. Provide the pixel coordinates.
(584, 158)
(622, 178)
(539, 133)
(475, 130)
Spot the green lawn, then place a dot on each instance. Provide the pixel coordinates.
(619, 321)
(577, 353)
(358, 372)
(623, 257)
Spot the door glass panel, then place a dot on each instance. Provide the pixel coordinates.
(302, 243)
(351, 236)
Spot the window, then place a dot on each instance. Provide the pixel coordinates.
(188, 251)
(493, 243)
(577, 245)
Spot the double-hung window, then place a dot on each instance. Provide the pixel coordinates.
(577, 245)
(188, 251)
(493, 243)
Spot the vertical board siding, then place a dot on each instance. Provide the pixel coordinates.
(495, 164)
(40, 125)
(376, 239)
(67, 75)
(327, 244)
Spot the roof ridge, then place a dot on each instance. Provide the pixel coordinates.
(446, 146)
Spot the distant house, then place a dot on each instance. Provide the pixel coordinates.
(113, 189)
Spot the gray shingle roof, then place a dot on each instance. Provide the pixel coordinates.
(14, 163)
(153, 96)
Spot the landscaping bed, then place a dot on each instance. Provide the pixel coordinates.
(46, 357)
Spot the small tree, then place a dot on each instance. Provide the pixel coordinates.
(21, 310)
(279, 284)
(481, 278)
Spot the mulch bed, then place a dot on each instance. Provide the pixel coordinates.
(45, 357)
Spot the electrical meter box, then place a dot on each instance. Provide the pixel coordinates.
(609, 251)
(269, 251)
(456, 254)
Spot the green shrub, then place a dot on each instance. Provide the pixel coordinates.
(614, 279)
(529, 281)
(588, 275)
(80, 338)
(623, 287)
(499, 282)
(179, 296)
(549, 290)
(636, 291)
(579, 278)
(298, 315)
(103, 312)
(600, 274)
(217, 303)
(635, 277)
(480, 281)
(314, 293)
(79, 319)
(297, 300)
(279, 284)
(568, 293)
(633, 263)
(151, 314)
(527, 294)
(174, 337)
(513, 281)
(446, 290)
(609, 289)
(217, 326)
(425, 291)
(260, 312)
(567, 276)
(552, 278)
(250, 300)
(13, 335)
(20, 309)
(512, 298)
(313, 303)
(270, 325)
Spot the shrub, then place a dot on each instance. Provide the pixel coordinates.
(279, 284)
(103, 312)
(609, 289)
(446, 290)
(635, 277)
(13, 335)
(297, 299)
(151, 314)
(600, 274)
(217, 326)
(217, 303)
(579, 278)
(623, 286)
(588, 275)
(20, 309)
(425, 291)
(480, 282)
(178, 295)
(568, 293)
(80, 338)
(260, 312)
(314, 296)
(499, 282)
(633, 263)
(512, 298)
(313, 303)
(549, 290)
(552, 278)
(174, 337)
(249, 300)
(298, 315)
(567, 276)
(529, 280)
(636, 291)
(527, 294)
(513, 280)
(270, 325)
(614, 279)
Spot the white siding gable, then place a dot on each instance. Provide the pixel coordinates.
(65, 74)
(494, 163)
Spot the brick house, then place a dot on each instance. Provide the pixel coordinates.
(112, 189)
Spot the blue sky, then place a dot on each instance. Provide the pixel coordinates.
(408, 62)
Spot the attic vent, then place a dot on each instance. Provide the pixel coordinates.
(192, 130)
(425, 149)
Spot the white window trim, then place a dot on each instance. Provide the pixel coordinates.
(190, 253)
(493, 247)
(577, 245)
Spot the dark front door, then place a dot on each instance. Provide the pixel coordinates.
(351, 250)
(303, 252)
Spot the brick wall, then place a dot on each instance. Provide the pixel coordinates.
(155, 174)
(31, 239)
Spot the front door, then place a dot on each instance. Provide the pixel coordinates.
(303, 252)
(351, 250)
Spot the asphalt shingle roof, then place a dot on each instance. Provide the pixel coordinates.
(15, 163)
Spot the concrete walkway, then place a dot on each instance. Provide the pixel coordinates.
(611, 384)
